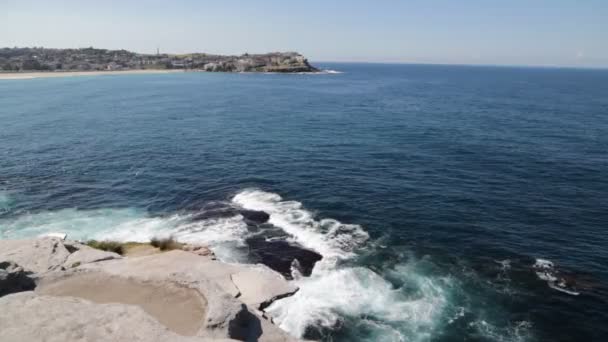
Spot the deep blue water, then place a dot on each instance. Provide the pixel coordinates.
(430, 191)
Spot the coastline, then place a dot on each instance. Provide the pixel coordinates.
(52, 74)
(176, 292)
(32, 75)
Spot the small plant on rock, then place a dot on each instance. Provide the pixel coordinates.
(108, 246)
(165, 244)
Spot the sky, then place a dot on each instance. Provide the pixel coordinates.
(494, 32)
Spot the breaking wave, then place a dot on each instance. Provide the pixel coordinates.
(321, 72)
(329, 298)
(402, 302)
(332, 239)
(223, 235)
(546, 270)
(335, 293)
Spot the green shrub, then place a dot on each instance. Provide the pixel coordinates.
(108, 246)
(165, 244)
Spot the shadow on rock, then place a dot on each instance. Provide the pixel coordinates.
(14, 278)
(245, 327)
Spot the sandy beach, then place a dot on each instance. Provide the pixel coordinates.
(31, 75)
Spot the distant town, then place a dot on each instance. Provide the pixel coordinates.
(92, 59)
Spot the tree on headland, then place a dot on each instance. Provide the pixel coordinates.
(31, 64)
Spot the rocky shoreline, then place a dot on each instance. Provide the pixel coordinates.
(53, 289)
(92, 59)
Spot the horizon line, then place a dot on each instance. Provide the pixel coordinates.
(539, 66)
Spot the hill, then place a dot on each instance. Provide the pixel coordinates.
(92, 59)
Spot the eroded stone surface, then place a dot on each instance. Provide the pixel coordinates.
(214, 280)
(179, 308)
(233, 292)
(86, 254)
(27, 317)
(199, 250)
(37, 256)
(259, 284)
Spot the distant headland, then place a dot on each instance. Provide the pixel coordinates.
(38, 59)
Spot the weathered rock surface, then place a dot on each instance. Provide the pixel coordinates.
(189, 267)
(260, 285)
(183, 268)
(50, 253)
(85, 255)
(198, 250)
(145, 291)
(27, 317)
(179, 308)
(37, 256)
(285, 62)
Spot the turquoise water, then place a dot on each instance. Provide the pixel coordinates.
(429, 191)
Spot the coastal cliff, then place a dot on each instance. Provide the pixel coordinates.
(91, 59)
(59, 290)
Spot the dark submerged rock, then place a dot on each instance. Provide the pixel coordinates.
(279, 255)
(255, 216)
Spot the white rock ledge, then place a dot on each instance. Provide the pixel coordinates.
(84, 294)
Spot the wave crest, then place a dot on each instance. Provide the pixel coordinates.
(334, 293)
(327, 298)
(331, 238)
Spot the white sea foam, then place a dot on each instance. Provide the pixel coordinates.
(333, 292)
(543, 264)
(460, 311)
(223, 235)
(330, 238)
(78, 224)
(518, 332)
(328, 296)
(545, 270)
(330, 71)
(322, 72)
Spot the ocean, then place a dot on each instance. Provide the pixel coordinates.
(448, 203)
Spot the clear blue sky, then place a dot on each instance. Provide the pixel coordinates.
(512, 32)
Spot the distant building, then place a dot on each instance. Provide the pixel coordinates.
(113, 66)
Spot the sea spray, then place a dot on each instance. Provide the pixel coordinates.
(332, 239)
(335, 292)
(328, 297)
(119, 224)
(225, 236)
